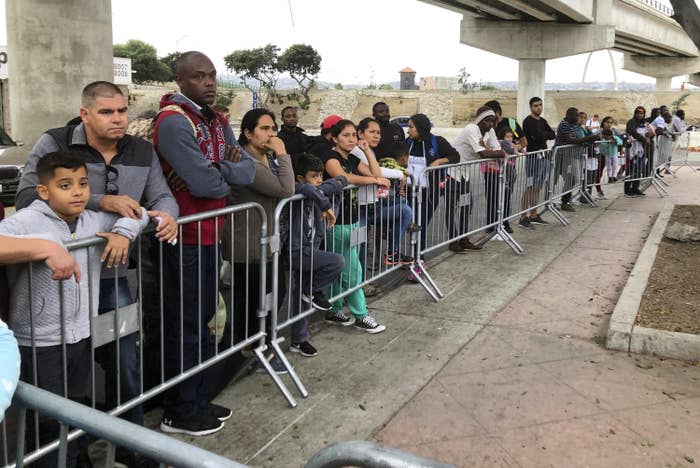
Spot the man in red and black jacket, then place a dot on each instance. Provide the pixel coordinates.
(201, 160)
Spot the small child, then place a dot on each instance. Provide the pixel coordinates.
(609, 149)
(60, 215)
(592, 161)
(318, 268)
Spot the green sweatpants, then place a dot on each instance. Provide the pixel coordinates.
(338, 241)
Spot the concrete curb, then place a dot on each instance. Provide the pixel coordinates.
(623, 334)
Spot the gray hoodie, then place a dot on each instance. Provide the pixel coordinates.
(42, 297)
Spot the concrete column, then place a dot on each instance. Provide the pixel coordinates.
(530, 83)
(54, 48)
(663, 84)
(694, 79)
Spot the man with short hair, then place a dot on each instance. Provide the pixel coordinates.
(391, 133)
(538, 132)
(291, 134)
(569, 132)
(198, 149)
(123, 173)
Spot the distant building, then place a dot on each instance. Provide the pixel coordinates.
(433, 83)
(408, 78)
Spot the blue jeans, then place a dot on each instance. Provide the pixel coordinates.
(395, 213)
(112, 295)
(191, 396)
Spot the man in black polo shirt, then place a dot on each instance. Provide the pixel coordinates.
(537, 132)
(391, 133)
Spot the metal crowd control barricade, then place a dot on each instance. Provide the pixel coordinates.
(128, 320)
(116, 432)
(525, 186)
(567, 169)
(369, 455)
(681, 151)
(295, 259)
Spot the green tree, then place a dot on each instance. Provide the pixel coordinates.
(303, 63)
(144, 61)
(338, 86)
(465, 86)
(170, 60)
(386, 86)
(259, 64)
(680, 102)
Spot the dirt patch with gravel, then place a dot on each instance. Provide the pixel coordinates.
(671, 300)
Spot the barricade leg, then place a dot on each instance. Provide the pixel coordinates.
(418, 239)
(555, 170)
(501, 203)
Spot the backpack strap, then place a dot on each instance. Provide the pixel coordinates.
(513, 125)
(169, 108)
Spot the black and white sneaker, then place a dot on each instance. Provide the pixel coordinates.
(276, 364)
(368, 324)
(538, 220)
(197, 425)
(525, 223)
(318, 301)
(339, 318)
(305, 349)
(219, 412)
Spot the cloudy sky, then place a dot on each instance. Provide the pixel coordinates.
(361, 41)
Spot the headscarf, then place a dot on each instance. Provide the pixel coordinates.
(483, 115)
(423, 125)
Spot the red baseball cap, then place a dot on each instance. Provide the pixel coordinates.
(331, 120)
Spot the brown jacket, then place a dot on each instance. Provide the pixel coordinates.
(267, 189)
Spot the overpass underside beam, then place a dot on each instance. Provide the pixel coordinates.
(525, 40)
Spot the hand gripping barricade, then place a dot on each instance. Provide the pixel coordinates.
(165, 335)
(369, 240)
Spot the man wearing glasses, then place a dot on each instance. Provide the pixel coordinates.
(123, 173)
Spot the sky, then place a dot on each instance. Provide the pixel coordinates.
(363, 41)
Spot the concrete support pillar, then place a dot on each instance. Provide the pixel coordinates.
(694, 79)
(55, 49)
(663, 84)
(530, 83)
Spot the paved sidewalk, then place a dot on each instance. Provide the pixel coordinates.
(536, 387)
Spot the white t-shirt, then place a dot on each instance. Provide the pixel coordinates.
(594, 125)
(367, 194)
(677, 125)
(659, 122)
(469, 143)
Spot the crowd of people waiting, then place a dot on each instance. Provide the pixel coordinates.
(91, 178)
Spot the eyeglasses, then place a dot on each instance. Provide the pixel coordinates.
(111, 187)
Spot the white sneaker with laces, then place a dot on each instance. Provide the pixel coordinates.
(368, 324)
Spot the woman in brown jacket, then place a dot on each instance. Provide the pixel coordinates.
(274, 179)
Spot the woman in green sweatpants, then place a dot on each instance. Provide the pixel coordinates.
(339, 162)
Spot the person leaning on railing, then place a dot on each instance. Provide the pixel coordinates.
(52, 320)
(23, 250)
(341, 162)
(427, 150)
(274, 180)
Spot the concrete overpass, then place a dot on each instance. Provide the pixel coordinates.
(532, 31)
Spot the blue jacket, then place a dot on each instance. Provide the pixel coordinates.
(307, 223)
